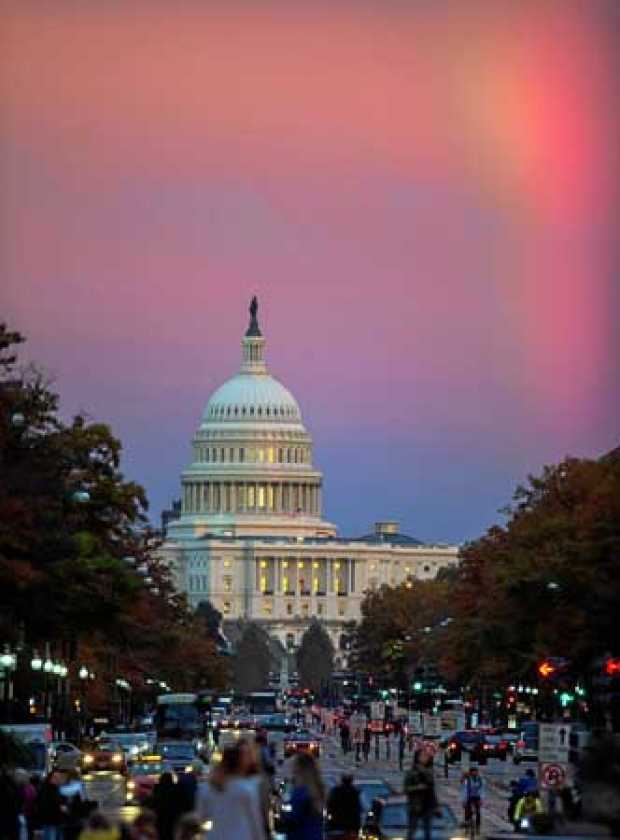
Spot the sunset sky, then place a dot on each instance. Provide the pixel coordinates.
(424, 196)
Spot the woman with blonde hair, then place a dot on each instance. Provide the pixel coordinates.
(305, 821)
(226, 805)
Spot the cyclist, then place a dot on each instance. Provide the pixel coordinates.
(472, 787)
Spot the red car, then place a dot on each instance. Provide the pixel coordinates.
(143, 776)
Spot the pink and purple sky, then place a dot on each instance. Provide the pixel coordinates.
(423, 195)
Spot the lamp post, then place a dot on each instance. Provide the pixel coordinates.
(8, 663)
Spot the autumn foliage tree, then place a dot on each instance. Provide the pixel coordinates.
(73, 532)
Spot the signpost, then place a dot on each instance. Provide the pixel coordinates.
(553, 750)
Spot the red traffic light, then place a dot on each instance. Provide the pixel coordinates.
(612, 667)
(546, 669)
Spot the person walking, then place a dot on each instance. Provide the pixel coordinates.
(377, 754)
(402, 743)
(472, 787)
(227, 804)
(419, 788)
(344, 809)
(50, 808)
(305, 821)
(366, 743)
(167, 806)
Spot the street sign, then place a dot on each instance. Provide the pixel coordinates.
(553, 743)
(431, 725)
(377, 710)
(552, 775)
(415, 723)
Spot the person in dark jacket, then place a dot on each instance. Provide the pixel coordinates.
(419, 788)
(10, 807)
(305, 821)
(344, 807)
(166, 806)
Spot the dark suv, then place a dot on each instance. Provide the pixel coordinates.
(469, 741)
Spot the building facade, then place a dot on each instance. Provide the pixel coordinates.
(251, 537)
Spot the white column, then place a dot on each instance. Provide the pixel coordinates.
(233, 496)
(210, 497)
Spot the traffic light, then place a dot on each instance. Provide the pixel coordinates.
(566, 699)
(546, 669)
(612, 666)
(417, 686)
(552, 667)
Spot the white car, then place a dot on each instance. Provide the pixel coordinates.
(65, 755)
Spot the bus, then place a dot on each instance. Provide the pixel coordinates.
(37, 740)
(261, 702)
(179, 717)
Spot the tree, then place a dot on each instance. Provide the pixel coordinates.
(211, 618)
(252, 659)
(315, 657)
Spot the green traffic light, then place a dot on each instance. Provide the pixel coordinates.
(417, 686)
(566, 699)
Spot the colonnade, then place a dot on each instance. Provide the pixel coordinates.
(305, 576)
(251, 497)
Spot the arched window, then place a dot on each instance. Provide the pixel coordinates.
(260, 411)
(243, 410)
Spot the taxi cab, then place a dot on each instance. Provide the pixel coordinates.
(301, 741)
(144, 775)
(105, 756)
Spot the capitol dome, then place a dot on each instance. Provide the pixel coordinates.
(251, 471)
(251, 398)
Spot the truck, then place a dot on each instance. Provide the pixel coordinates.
(37, 740)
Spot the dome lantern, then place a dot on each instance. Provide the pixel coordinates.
(253, 344)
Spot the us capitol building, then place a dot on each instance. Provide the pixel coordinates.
(251, 537)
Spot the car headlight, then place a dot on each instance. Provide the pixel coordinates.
(207, 825)
(88, 759)
(131, 785)
(188, 769)
(134, 750)
(117, 758)
(287, 807)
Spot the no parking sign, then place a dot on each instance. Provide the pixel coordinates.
(552, 775)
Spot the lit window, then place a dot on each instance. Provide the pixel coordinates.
(407, 570)
(270, 455)
(285, 584)
(373, 567)
(251, 497)
(300, 565)
(261, 455)
(263, 564)
(285, 564)
(226, 607)
(261, 496)
(263, 583)
(270, 496)
(336, 565)
(315, 584)
(304, 610)
(315, 565)
(227, 583)
(268, 608)
(227, 564)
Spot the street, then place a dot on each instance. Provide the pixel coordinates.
(109, 788)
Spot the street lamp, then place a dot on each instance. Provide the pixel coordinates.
(36, 663)
(83, 673)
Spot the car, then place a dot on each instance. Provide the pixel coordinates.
(389, 819)
(301, 741)
(179, 754)
(65, 755)
(143, 776)
(496, 746)
(133, 744)
(277, 722)
(470, 741)
(371, 789)
(104, 756)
